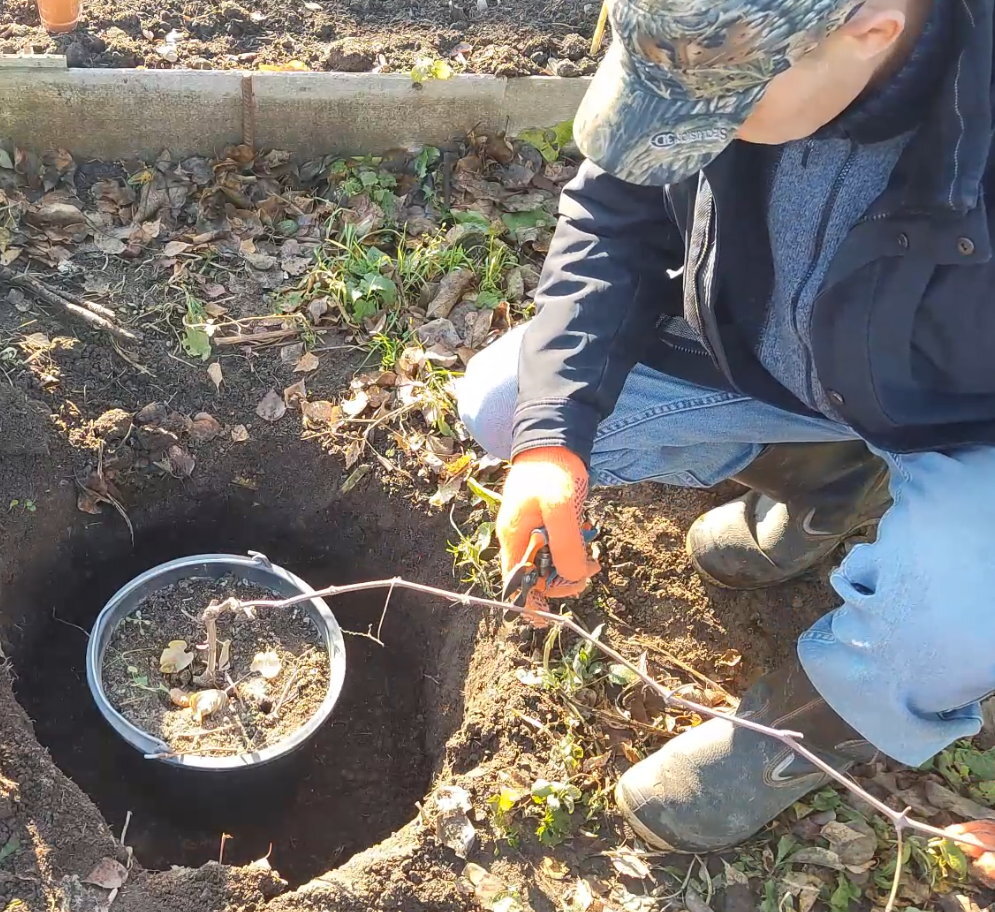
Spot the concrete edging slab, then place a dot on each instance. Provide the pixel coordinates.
(113, 114)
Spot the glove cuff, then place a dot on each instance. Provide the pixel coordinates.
(554, 455)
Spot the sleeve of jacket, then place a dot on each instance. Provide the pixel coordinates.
(603, 286)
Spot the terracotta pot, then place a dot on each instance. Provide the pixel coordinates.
(59, 15)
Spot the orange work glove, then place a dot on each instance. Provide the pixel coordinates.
(984, 862)
(547, 487)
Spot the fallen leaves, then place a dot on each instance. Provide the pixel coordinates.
(204, 428)
(175, 657)
(943, 798)
(307, 363)
(205, 703)
(490, 891)
(108, 873)
(271, 407)
(215, 374)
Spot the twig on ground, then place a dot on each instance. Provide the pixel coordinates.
(267, 335)
(94, 315)
(249, 742)
(899, 863)
(791, 739)
(286, 691)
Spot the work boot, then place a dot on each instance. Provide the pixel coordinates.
(717, 784)
(804, 499)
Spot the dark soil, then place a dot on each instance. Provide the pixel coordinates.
(505, 37)
(255, 710)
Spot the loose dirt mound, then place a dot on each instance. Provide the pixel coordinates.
(503, 37)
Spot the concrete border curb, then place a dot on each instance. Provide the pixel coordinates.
(114, 114)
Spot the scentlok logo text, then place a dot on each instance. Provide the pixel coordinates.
(666, 140)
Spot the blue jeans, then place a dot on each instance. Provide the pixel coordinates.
(911, 651)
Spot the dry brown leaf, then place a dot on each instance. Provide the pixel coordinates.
(317, 309)
(214, 372)
(448, 489)
(89, 502)
(175, 657)
(109, 244)
(267, 664)
(295, 265)
(631, 754)
(584, 898)
(356, 404)
(291, 354)
(261, 261)
(55, 214)
(108, 873)
(295, 394)
(239, 433)
(308, 362)
(321, 411)
(175, 248)
(271, 407)
(553, 867)
(854, 842)
(943, 798)
(629, 864)
(214, 290)
(729, 659)
(205, 427)
(439, 333)
(451, 289)
(180, 462)
(206, 702)
(353, 452)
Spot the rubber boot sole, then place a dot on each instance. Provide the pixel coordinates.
(640, 829)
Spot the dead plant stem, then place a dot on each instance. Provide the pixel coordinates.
(791, 739)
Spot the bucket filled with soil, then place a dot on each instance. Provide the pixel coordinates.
(190, 678)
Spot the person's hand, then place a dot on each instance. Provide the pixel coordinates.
(983, 865)
(547, 487)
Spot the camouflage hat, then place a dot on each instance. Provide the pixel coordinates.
(681, 76)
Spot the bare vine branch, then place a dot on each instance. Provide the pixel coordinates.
(791, 739)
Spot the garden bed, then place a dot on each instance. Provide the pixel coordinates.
(499, 37)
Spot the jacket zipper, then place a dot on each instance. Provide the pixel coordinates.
(827, 214)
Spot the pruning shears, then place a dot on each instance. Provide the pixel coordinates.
(535, 571)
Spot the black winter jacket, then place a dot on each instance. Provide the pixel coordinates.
(903, 329)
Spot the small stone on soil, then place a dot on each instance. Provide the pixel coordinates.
(113, 425)
(348, 55)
